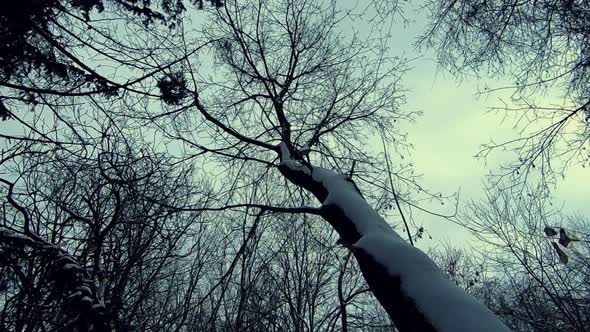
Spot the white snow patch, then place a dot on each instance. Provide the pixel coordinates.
(84, 289)
(97, 306)
(293, 165)
(86, 299)
(75, 294)
(66, 258)
(344, 194)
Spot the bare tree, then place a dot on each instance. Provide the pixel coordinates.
(293, 95)
(541, 256)
(87, 246)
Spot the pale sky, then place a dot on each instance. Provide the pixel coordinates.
(454, 125)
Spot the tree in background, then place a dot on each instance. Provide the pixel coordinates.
(540, 254)
(539, 46)
(542, 259)
(94, 203)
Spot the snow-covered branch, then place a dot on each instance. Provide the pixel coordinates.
(69, 279)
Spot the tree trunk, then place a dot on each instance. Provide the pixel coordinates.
(409, 285)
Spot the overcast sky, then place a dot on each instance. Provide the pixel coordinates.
(454, 125)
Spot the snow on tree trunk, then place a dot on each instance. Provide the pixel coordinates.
(409, 285)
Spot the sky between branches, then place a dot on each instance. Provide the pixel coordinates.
(454, 125)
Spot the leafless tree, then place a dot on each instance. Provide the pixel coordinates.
(120, 249)
(541, 257)
(294, 98)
